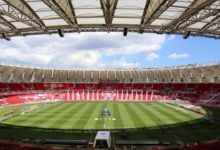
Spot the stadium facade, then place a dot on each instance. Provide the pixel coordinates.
(198, 84)
(198, 73)
(30, 84)
(21, 84)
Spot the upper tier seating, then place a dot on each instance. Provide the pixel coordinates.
(82, 86)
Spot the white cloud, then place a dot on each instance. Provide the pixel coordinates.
(176, 56)
(77, 50)
(133, 49)
(116, 64)
(152, 56)
(171, 37)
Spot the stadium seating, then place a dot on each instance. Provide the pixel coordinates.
(202, 147)
(209, 99)
(16, 146)
(3, 86)
(3, 103)
(88, 95)
(9, 146)
(40, 86)
(207, 95)
(27, 85)
(118, 86)
(138, 86)
(16, 87)
(137, 143)
(158, 87)
(191, 86)
(91, 91)
(207, 145)
(15, 99)
(179, 87)
(173, 149)
(216, 87)
(203, 87)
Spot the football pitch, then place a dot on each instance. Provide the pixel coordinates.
(81, 121)
(87, 115)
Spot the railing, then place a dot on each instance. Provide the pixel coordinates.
(87, 68)
(27, 92)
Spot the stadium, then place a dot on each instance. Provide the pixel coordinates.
(169, 108)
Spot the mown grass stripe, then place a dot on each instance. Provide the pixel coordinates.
(141, 115)
(73, 116)
(26, 119)
(118, 123)
(27, 115)
(43, 109)
(78, 106)
(59, 120)
(179, 113)
(145, 116)
(151, 114)
(79, 116)
(63, 115)
(126, 118)
(109, 123)
(99, 124)
(91, 121)
(45, 117)
(86, 115)
(170, 115)
(160, 116)
(134, 116)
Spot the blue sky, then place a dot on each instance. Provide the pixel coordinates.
(103, 50)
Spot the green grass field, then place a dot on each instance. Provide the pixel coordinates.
(71, 115)
(142, 121)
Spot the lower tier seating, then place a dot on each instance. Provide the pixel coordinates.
(90, 95)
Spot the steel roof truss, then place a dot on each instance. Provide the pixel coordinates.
(212, 24)
(145, 11)
(25, 10)
(56, 6)
(201, 4)
(6, 26)
(210, 34)
(13, 13)
(108, 8)
(195, 18)
(214, 27)
(155, 9)
(67, 7)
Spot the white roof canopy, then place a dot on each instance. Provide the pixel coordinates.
(33, 17)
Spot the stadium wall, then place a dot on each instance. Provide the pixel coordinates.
(176, 74)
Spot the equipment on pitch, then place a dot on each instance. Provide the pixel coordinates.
(105, 111)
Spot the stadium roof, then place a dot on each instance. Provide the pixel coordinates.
(198, 73)
(184, 17)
